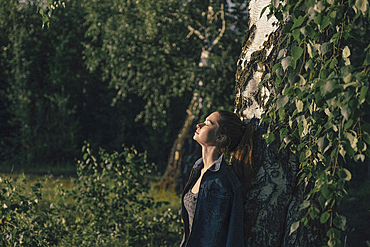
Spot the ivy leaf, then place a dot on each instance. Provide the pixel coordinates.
(345, 174)
(324, 217)
(325, 47)
(324, 23)
(302, 80)
(348, 124)
(286, 62)
(333, 233)
(363, 94)
(269, 137)
(297, 52)
(361, 5)
(346, 52)
(309, 50)
(276, 66)
(352, 139)
(335, 38)
(326, 191)
(305, 204)
(298, 22)
(319, 7)
(314, 212)
(359, 157)
(299, 105)
(294, 227)
(345, 111)
(281, 101)
(322, 144)
(263, 10)
(328, 87)
(347, 79)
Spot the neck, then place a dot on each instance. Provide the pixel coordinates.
(210, 155)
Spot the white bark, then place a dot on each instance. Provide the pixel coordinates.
(272, 205)
(262, 28)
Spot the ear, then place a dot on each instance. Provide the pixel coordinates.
(221, 138)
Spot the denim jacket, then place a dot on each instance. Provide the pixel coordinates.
(218, 218)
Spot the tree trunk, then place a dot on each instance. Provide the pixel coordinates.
(184, 152)
(274, 201)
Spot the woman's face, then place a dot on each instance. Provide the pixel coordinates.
(206, 133)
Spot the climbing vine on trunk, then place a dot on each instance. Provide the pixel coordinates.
(319, 93)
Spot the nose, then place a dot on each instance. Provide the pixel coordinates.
(200, 125)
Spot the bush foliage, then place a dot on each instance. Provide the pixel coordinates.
(109, 204)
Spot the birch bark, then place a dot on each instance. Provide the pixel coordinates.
(273, 203)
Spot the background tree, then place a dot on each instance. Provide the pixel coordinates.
(153, 50)
(299, 72)
(51, 102)
(218, 25)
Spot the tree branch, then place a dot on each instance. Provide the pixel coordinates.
(192, 30)
(222, 29)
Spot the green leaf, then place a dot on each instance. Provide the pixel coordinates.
(345, 174)
(333, 63)
(297, 35)
(348, 124)
(299, 105)
(324, 22)
(325, 47)
(263, 10)
(286, 62)
(361, 5)
(314, 212)
(294, 227)
(360, 157)
(305, 204)
(335, 38)
(281, 114)
(328, 87)
(352, 139)
(319, 6)
(363, 94)
(340, 221)
(324, 217)
(297, 52)
(345, 111)
(322, 201)
(298, 22)
(269, 137)
(311, 32)
(276, 66)
(326, 191)
(330, 1)
(281, 101)
(346, 52)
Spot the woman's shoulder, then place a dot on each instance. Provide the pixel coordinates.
(224, 178)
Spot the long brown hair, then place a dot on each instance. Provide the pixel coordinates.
(239, 144)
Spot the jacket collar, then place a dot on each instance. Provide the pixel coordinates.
(214, 168)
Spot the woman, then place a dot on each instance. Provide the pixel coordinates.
(212, 201)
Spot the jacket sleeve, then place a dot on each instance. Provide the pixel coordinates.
(219, 218)
(235, 236)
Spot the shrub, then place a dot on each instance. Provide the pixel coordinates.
(109, 205)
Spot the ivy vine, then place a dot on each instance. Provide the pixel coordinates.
(317, 108)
